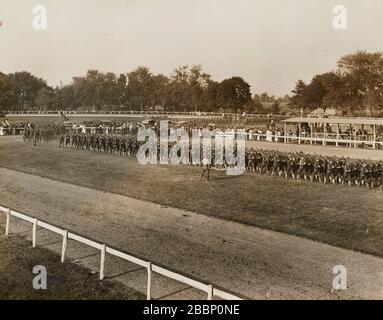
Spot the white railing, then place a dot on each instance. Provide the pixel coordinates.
(209, 289)
(136, 112)
(324, 139)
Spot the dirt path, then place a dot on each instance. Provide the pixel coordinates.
(318, 149)
(245, 259)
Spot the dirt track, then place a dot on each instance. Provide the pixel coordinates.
(252, 261)
(332, 214)
(354, 153)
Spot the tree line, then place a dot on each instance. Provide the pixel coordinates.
(356, 86)
(186, 89)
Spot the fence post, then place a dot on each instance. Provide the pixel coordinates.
(149, 284)
(210, 293)
(34, 233)
(63, 249)
(102, 262)
(7, 222)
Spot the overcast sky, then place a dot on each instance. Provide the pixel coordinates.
(271, 43)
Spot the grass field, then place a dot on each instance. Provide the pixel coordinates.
(64, 281)
(348, 217)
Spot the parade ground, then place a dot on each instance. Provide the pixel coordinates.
(257, 235)
(325, 213)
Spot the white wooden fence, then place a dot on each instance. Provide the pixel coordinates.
(323, 139)
(209, 289)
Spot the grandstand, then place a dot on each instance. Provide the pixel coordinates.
(342, 131)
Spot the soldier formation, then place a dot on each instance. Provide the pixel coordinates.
(42, 132)
(294, 165)
(108, 144)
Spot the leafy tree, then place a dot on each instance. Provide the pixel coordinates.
(45, 98)
(109, 90)
(264, 97)
(188, 88)
(275, 108)
(356, 85)
(179, 90)
(210, 97)
(140, 86)
(250, 106)
(22, 89)
(87, 91)
(64, 98)
(122, 96)
(256, 98)
(298, 98)
(198, 82)
(233, 93)
(319, 88)
(4, 89)
(364, 74)
(160, 89)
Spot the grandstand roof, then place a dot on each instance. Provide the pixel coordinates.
(343, 120)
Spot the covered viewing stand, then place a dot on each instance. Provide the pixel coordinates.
(349, 132)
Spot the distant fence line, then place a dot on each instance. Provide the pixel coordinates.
(209, 289)
(143, 113)
(322, 139)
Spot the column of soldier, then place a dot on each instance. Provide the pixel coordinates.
(292, 165)
(41, 132)
(109, 144)
(324, 169)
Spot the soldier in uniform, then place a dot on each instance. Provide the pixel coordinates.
(67, 140)
(205, 170)
(347, 173)
(61, 141)
(302, 168)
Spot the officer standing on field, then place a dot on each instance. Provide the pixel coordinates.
(205, 170)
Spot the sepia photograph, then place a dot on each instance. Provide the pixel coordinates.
(174, 150)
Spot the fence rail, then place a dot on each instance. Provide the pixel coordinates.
(324, 140)
(140, 113)
(209, 289)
